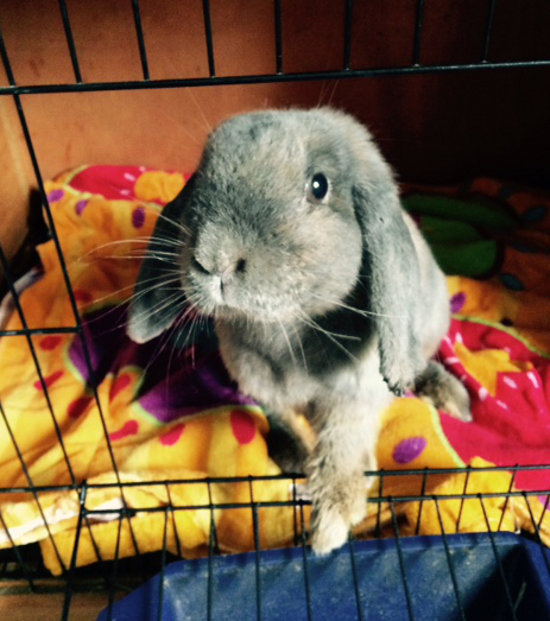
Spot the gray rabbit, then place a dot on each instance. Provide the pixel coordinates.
(326, 299)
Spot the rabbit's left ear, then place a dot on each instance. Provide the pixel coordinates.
(157, 300)
(391, 275)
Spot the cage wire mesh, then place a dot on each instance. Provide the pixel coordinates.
(488, 575)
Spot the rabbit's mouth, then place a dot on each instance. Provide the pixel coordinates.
(229, 288)
(226, 301)
(229, 296)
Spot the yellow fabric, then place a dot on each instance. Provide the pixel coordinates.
(146, 453)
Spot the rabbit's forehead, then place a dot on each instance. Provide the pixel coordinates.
(277, 155)
(256, 148)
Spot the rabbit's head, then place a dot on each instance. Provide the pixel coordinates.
(288, 213)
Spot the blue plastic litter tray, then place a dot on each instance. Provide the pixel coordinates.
(475, 577)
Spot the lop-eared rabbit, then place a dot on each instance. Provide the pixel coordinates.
(325, 298)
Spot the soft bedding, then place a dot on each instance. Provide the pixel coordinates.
(172, 416)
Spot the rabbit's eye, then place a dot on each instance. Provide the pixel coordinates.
(318, 188)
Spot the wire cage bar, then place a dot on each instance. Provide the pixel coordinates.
(516, 571)
(347, 70)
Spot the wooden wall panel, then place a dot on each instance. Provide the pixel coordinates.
(433, 128)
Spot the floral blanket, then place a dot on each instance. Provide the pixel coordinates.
(158, 426)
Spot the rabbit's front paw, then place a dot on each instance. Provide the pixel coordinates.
(399, 372)
(337, 506)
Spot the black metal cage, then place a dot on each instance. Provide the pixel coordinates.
(513, 573)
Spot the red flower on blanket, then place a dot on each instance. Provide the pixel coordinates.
(128, 183)
(509, 386)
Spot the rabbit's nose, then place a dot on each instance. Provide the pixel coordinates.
(200, 266)
(230, 269)
(225, 269)
(240, 266)
(221, 276)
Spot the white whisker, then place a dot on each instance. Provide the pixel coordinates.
(288, 343)
(333, 337)
(353, 309)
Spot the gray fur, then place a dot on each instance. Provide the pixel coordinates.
(322, 307)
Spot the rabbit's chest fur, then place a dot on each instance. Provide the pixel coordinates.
(296, 372)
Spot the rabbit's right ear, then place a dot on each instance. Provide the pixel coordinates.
(391, 270)
(158, 299)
